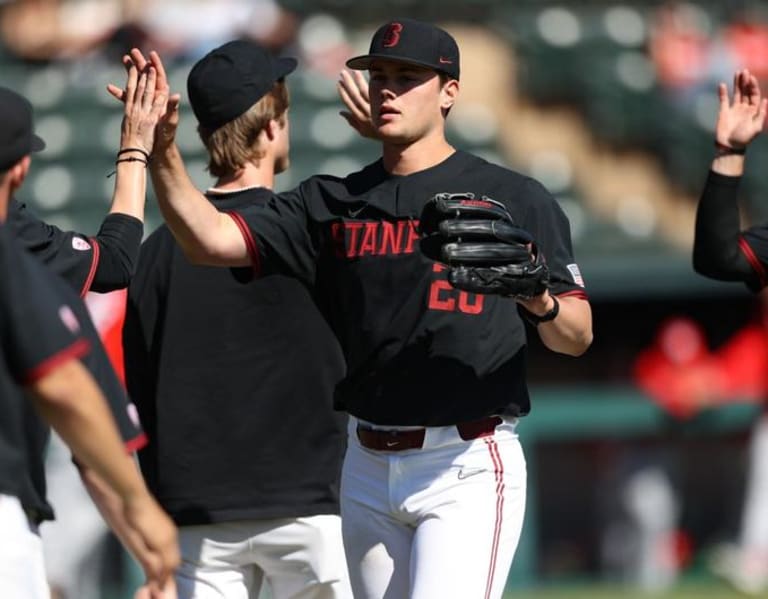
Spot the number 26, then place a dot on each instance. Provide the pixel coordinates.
(443, 297)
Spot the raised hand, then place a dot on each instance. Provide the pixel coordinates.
(168, 118)
(144, 105)
(741, 118)
(353, 90)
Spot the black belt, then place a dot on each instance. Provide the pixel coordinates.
(399, 440)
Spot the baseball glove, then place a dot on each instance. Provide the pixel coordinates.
(483, 248)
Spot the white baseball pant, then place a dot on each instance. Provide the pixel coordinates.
(436, 522)
(22, 570)
(300, 558)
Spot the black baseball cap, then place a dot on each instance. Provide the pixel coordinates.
(230, 79)
(17, 138)
(414, 42)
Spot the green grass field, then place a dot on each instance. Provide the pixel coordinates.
(688, 591)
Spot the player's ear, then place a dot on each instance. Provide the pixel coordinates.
(270, 129)
(449, 93)
(18, 172)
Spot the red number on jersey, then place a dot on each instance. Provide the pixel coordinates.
(443, 297)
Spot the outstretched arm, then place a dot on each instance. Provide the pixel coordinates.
(69, 399)
(205, 235)
(106, 261)
(717, 252)
(111, 508)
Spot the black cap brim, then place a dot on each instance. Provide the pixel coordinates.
(37, 145)
(363, 63)
(285, 66)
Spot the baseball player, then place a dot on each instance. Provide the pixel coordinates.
(17, 143)
(100, 263)
(433, 482)
(234, 375)
(43, 340)
(725, 252)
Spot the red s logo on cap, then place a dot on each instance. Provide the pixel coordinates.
(392, 35)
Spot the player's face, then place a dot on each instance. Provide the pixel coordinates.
(406, 101)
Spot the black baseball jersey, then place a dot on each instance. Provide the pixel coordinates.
(75, 264)
(38, 331)
(233, 377)
(98, 364)
(419, 352)
(101, 263)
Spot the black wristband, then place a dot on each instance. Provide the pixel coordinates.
(535, 319)
(723, 150)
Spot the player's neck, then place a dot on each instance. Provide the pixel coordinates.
(406, 159)
(250, 175)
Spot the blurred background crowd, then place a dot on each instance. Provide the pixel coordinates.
(646, 455)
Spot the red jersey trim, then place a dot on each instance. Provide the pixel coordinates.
(94, 266)
(250, 242)
(77, 349)
(754, 261)
(579, 293)
(138, 442)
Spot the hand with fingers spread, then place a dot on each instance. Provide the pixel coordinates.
(353, 90)
(166, 118)
(741, 118)
(143, 106)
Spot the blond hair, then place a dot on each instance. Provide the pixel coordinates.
(235, 143)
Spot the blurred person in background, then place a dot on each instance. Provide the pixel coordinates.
(188, 29)
(46, 30)
(726, 252)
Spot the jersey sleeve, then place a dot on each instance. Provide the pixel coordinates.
(279, 235)
(40, 331)
(720, 250)
(102, 263)
(549, 226)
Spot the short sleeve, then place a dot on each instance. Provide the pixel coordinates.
(549, 226)
(70, 255)
(40, 330)
(279, 235)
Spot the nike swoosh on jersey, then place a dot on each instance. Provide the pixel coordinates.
(354, 213)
